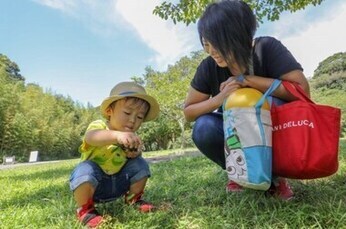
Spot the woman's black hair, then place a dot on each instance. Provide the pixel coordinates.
(229, 26)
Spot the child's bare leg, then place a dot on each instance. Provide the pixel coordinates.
(134, 196)
(138, 187)
(86, 212)
(83, 193)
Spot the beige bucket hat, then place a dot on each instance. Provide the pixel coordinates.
(131, 89)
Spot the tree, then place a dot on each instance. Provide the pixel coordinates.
(10, 120)
(328, 84)
(188, 11)
(170, 88)
(333, 64)
(31, 119)
(156, 134)
(11, 68)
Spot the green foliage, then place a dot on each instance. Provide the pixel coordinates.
(328, 86)
(170, 88)
(332, 95)
(188, 11)
(11, 68)
(156, 135)
(330, 81)
(10, 127)
(333, 64)
(31, 119)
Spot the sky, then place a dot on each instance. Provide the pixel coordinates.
(82, 48)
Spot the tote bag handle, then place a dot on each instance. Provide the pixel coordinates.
(296, 91)
(276, 83)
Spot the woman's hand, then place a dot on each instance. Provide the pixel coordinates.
(229, 86)
(197, 103)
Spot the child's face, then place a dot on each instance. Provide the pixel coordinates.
(127, 114)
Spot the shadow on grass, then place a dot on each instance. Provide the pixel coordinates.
(39, 198)
(47, 174)
(35, 186)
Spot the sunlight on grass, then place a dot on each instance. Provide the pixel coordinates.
(188, 191)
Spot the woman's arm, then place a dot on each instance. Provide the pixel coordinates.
(198, 103)
(263, 83)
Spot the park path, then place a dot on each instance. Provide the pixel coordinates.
(149, 159)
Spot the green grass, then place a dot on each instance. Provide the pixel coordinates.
(189, 191)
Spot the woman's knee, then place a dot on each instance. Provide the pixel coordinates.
(206, 128)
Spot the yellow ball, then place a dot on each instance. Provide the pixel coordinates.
(245, 97)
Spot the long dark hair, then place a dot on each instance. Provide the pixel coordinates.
(229, 26)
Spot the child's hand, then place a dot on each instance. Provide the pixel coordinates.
(132, 153)
(129, 140)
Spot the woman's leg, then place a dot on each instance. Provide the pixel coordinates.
(280, 186)
(208, 136)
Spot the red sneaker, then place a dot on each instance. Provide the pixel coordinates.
(233, 187)
(88, 215)
(136, 200)
(281, 189)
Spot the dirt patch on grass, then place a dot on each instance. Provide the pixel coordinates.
(151, 159)
(172, 156)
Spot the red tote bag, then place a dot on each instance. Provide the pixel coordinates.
(305, 137)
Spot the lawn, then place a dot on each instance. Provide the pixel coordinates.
(189, 193)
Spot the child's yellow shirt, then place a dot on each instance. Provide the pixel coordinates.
(111, 158)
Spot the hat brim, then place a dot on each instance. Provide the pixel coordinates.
(153, 110)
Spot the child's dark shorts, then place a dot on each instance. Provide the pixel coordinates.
(109, 187)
